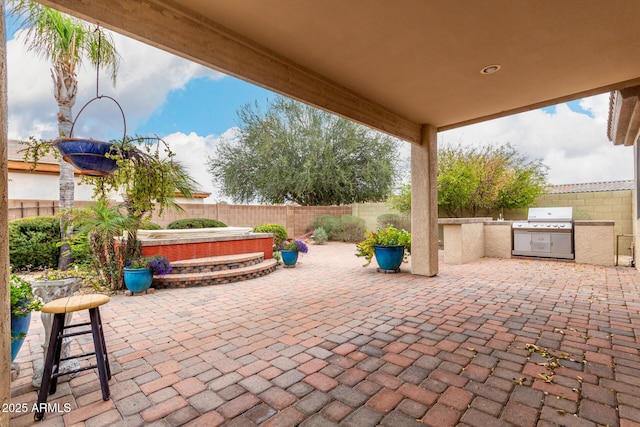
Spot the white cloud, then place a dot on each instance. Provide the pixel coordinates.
(573, 145)
(145, 78)
(193, 150)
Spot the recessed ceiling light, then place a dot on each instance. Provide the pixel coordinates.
(490, 69)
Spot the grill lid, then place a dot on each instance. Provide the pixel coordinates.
(550, 214)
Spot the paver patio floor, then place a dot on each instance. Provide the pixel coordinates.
(490, 343)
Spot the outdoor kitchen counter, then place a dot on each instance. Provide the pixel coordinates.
(468, 239)
(497, 239)
(594, 242)
(463, 239)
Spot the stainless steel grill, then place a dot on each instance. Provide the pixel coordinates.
(548, 232)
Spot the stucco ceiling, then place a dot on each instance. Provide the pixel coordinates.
(396, 65)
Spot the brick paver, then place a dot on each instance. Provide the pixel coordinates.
(517, 342)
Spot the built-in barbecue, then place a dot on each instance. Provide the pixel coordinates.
(548, 232)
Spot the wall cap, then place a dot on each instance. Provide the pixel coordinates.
(455, 221)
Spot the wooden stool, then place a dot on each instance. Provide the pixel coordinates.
(59, 308)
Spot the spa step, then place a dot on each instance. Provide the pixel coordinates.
(218, 277)
(216, 263)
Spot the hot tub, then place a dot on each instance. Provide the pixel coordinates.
(204, 242)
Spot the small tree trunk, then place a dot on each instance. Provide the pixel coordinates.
(66, 89)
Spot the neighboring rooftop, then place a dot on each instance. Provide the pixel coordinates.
(591, 187)
(13, 153)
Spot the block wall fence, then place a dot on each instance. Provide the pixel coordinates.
(605, 205)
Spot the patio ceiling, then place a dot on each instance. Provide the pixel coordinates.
(397, 65)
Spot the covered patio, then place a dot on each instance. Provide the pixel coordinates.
(490, 343)
(493, 342)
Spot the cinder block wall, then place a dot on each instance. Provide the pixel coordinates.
(370, 213)
(605, 205)
(601, 205)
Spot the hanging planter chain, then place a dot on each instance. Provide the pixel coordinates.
(98, 96)
(89, 155)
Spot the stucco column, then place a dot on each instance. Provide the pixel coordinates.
(634, 204)
(5, 320)
(424, 204)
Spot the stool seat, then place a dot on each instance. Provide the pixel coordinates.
(75, 303)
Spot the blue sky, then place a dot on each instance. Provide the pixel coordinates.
(215, 102)
(193, 107)
(575, 106)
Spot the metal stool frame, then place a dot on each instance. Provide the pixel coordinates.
(52, 361)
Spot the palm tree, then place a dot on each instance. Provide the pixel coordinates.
(65, 41)
(100, 225)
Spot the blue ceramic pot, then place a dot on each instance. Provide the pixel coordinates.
(19, 325)
(138, 279)
(88, 155)
(289, 258)
(389, 257)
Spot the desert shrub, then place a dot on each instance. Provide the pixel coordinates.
(279, 232)
(353, 229)
(319, 236)
(33, 242)
(347, 228)
(331, 225)
(150, 225)
(195, 223)
(401, 222)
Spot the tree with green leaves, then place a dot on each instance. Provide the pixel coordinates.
(65, 42)
(472, 179)
(401, 201)
(296, 153)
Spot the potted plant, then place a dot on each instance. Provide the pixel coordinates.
(139, 272)
(289, 251)
(390, 246)
(23, 302)
(91, 157)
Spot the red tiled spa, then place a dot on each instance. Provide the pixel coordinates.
(209, 256)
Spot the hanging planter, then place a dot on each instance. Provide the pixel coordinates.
(90, 156)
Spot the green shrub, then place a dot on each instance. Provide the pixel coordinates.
(319, 236)
(331, 225)
(81, 250)
(401, 222)
(353, 229)
(195, 223)
(348, 228)
(279, 232)
(34, 241)
(150, 225)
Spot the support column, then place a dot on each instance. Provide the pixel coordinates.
(5, 320)
(424, 204)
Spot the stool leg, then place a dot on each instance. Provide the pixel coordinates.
(55, 342)
(104, 345)
(56, 356)
(98, 343)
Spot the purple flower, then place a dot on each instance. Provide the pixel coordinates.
(160, 265)
(295, 245)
